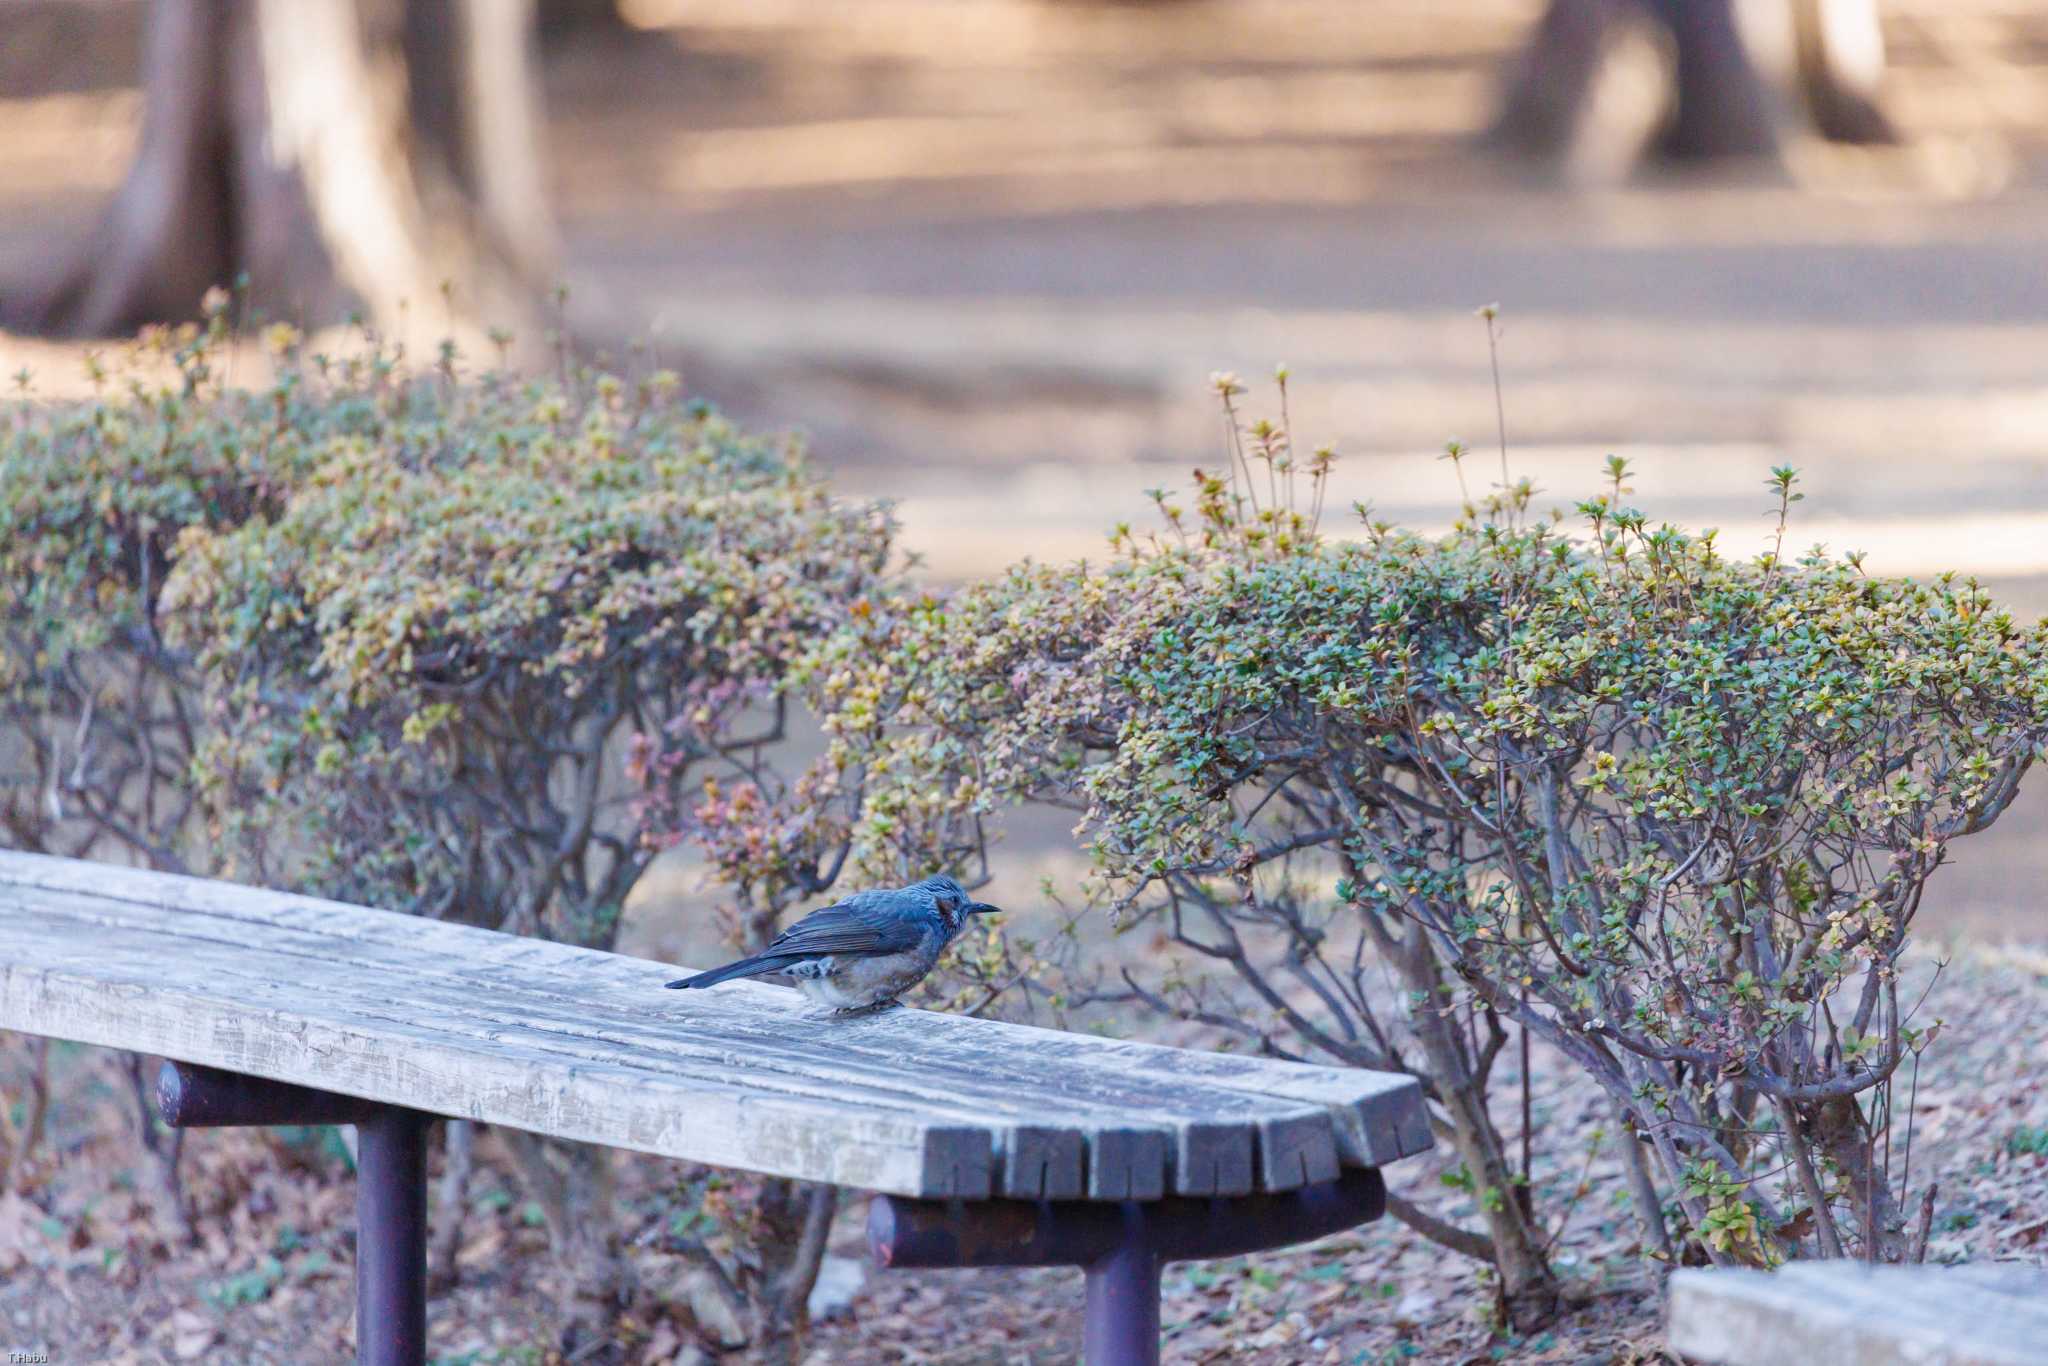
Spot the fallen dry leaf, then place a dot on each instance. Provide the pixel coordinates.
(191, 1334)
(18, 1224)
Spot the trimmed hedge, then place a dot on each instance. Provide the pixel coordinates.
(99, 732)
(1670, 809)
(426, 662)
(413, 638)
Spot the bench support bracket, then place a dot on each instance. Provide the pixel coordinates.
(391, 1190)
(1121, 1246)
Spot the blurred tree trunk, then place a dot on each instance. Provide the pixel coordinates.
(476, 109)
(1840, 63)
(1552, 82)
(339, 153)
(560, 18)
(1736, 74)
(1722, 107)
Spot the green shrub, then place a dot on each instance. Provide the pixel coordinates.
(1669, 810)
(384, 633)
(421, 675)
(428, 661)
(97, 731)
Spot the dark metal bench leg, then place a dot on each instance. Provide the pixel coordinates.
(1120, 1246)
(391, 1190)
(1121, 1324)
(391, 1239)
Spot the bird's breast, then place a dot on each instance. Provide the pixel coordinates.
(848, 983)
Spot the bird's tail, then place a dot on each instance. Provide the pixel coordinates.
(746, 967)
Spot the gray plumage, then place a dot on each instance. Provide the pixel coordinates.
(863, 951)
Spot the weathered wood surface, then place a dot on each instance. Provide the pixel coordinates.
(585, 1045)
(1811, 1312)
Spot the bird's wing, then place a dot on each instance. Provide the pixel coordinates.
(866, 923)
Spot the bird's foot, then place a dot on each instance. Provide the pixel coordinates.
(874, 1008)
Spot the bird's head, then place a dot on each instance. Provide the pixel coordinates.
(953, 904)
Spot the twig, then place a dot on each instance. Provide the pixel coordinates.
(1916, 1253)
(452, 1199)
(1500, 412)
(1579, 1190)
(18, 1141)
(160, 1156)
(794, 1292)
(1643, 1190)
(1809, 1182)
(1912, 1105)
(1476, 1246)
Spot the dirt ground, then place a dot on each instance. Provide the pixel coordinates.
(986, 252)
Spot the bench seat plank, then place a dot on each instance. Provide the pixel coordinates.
(585, 1045)
(1983, 1314)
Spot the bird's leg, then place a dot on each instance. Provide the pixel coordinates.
(872, 1008)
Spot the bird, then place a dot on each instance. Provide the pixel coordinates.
(865, 950)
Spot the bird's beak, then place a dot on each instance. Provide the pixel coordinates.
(982, 908)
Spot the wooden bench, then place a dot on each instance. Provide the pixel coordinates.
(989, 1143)
(1986, 1314)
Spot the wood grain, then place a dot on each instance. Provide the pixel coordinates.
(586, 1045)
(1873, 1315)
